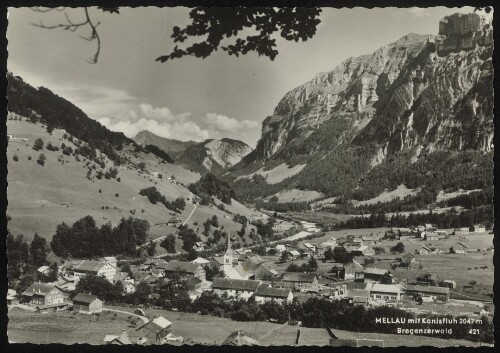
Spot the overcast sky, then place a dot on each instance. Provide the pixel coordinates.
(189, 98)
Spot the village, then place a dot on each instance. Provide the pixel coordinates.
(391, 267)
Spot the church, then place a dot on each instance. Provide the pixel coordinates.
(236, 265)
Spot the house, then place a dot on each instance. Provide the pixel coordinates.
(331, 244)
(185, 269)
(430, 236)
(111, 260)
(310, 247)
(199, 246)
(424, 250)
(44, 270)
(235, 288)
(82, 268)
(118, 340)
(301, 281)
(12, 297)
(156, 330)
(201, 261)
(266, 293)
(460, 248)
(450, 284)
(346, 271)
(252, 267)
(405, 232)
(372, 274)
(43, 296)
(321, 249)
(429, 227)
(407, 259)
(86, 304)
(462, 231)
(358, 296)
(386, 292)
(280, 248)
(479, 228)
(365, 250)
(294, 254)
(240, 338)
(440, 293)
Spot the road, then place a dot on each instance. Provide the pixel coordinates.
(143, 318)
(163, 237)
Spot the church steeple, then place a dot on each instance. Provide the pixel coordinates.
(228, 256)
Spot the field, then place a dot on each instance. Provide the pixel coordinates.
(63, 327)
(276, 174)
(41, 197)
(400, 192)
(296, 195)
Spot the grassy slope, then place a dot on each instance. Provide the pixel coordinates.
(45, 328)
(36, 193)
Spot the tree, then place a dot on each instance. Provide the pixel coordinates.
(179, 203)
(313, 264)
(38, 144)
(38, 251)
(215, 221)
(169, 243)
(24, 283)
(341, 255)
(151, 248)
(216, 25)
(53, 272)
(399, 248)
(192, 255)
(284, 257)
(142, 293)
(41, 159)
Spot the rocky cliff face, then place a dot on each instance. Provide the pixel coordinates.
(214, 155)
(401, 96)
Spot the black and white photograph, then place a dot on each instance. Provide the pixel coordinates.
(250, 176)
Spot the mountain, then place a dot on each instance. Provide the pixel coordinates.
(63, 166)
(208, 156)
(214, 155)
(411, 103)
(146, 137)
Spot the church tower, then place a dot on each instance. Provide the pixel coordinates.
(229, 256)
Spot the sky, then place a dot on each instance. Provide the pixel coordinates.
(190, 98)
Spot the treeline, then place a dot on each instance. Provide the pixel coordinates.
(154, 196)
(439, 170)
(449, 219)
(85, 240)
(44, 106)
(256, 187)
(159, 153)
(283, 206)
(471, 200)
(210, 185)
(24, 258)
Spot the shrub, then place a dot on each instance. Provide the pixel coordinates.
(29, 158)
(38, 145)
(41, 159)
(15, 158)
(116, 195)
(118, 179)
(100, 191)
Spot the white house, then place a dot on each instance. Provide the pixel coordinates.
(266, 293)
(98, 268)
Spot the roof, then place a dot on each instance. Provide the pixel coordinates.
(427, 289)
(235, 284)
(265, 291)
(42, 269)
(162, 322)
(425, 247)
(240, 338)
(385, 288)
(299, 277)
(461, 244)
(123, 338)
(408, 255)
(358, 293)
(110, 258)
(375, 271)
(218, 259)
(88, 266)
(39, 289)
(120, 276)
(294, 252)
(200, 260)
(179, 266)
(84, 298)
